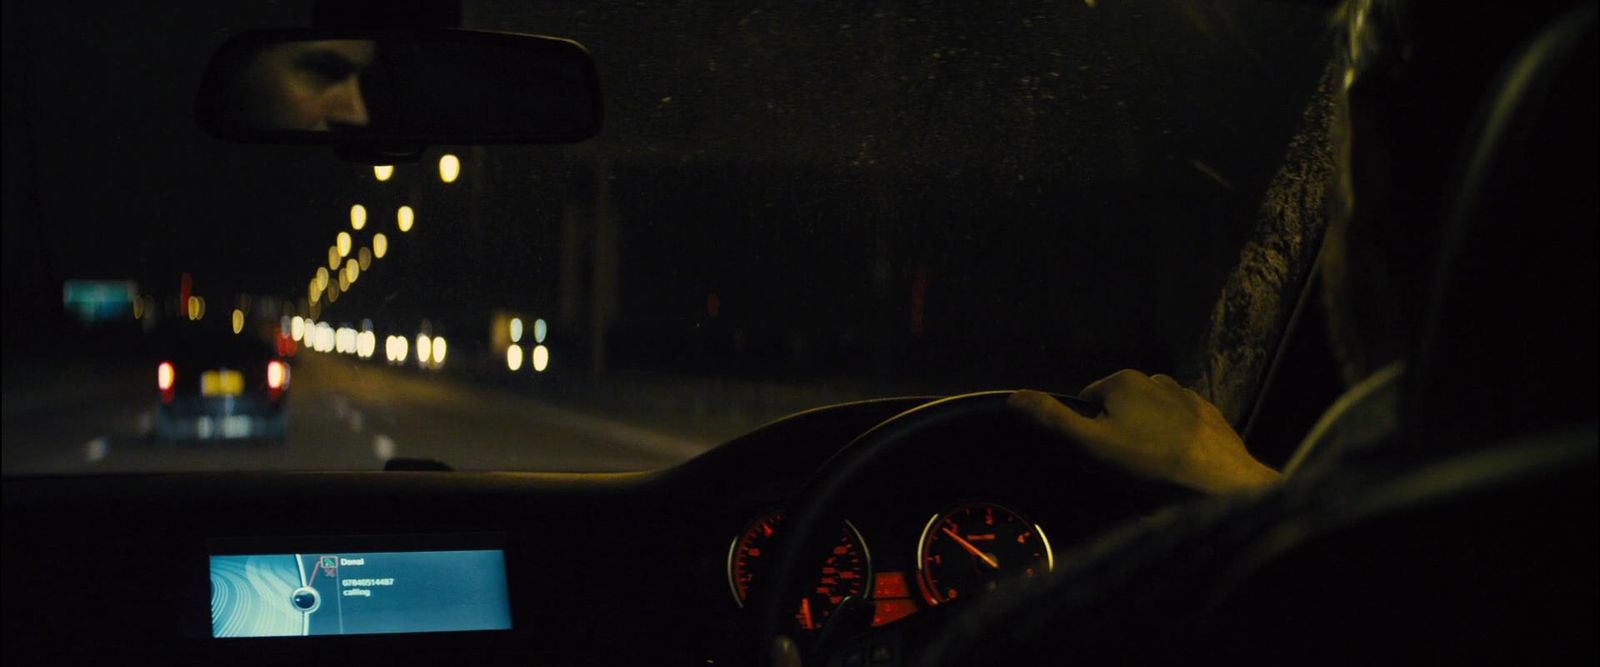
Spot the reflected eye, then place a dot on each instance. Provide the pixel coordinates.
(329, 68)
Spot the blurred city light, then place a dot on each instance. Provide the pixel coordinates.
(165, 376)
(333, 292)
(449, 168)
(358, 217)
(277, 374)
(383, 171)
(380, 245)
(514, 357)
(541, 358)
(397, 349)
(364, 256)
(196, 307)
(238, 321)
(342, 243)
(424, 349)
(366, 344)
(405, 216)
(516, 330)
(345, 340)
(439, 348)
(540, 329)
(333, 257)
(353, 268)
(297, 328)
(322, 279)
(323, 337)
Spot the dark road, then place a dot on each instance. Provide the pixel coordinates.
(343, 415)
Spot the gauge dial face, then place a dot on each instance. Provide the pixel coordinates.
(971, 548)
(846, 572)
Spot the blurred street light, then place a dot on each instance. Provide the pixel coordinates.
(405, 217)
(325, 337)
(353, 269)
(364, 258)
(358, 217)
(424, 349)
(238, 320)
(333, 257)
(343, 244)
(322, 278)
(449, 168)
(383, 171)
(540, 329)
(541, 358)
(513, 357)
(380, 245)
(397, 349)
(297, 328)
(516, 330)
(439, 348)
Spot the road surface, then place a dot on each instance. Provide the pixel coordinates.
(344, 414)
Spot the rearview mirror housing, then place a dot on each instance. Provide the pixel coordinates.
(399, 88)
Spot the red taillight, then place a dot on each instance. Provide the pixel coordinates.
(165, 376)
(277, 375)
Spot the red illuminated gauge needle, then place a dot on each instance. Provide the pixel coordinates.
(986, 558)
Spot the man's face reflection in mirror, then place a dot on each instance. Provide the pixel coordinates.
(312, 86)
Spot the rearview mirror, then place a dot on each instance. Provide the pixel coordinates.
(414, 87)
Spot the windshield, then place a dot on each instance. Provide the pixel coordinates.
(788, 207)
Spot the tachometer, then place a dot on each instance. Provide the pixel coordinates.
(846, 572)
(973, 546)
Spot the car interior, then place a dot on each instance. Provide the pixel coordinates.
(1474, 533)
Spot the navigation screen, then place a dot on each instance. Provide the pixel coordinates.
(294, 595)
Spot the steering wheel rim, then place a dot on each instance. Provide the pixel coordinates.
(811, 526)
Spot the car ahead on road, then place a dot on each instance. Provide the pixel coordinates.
(952, 195)
(217, 385)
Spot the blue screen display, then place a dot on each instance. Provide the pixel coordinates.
(297, 595)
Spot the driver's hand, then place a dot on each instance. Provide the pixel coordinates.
(1154, 427)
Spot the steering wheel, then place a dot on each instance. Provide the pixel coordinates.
(815, 516)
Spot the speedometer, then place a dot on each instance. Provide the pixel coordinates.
(970, 548)
(846, 572)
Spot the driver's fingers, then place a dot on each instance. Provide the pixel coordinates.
(1099, 390)
(1166, 380)
(1052, 414)
(785, 653)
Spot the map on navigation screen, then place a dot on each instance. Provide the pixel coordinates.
(290, 595)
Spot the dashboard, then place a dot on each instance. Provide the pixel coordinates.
(526, 568)
(960, 552)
